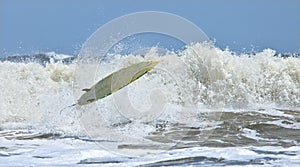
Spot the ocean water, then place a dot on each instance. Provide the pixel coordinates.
(200, 106)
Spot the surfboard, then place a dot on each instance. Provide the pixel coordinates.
(115, 81)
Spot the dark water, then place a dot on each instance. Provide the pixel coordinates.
(265, 137)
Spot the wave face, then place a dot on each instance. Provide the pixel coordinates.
(33, 93)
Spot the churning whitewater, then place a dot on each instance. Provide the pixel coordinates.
(208, 97)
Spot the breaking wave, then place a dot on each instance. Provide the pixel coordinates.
(35, 88)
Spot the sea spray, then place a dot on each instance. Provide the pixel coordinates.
(32, 94)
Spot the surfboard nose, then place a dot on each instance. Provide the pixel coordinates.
(152, 63)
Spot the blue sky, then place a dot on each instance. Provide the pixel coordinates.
(31, 26)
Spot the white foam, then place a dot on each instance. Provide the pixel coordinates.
(201, 77)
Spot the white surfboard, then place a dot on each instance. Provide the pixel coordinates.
(115, 81)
